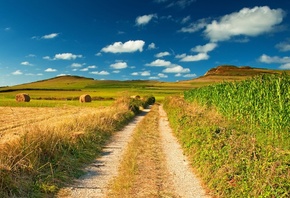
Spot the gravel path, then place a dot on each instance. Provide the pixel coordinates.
(185, 183)
(94, 183)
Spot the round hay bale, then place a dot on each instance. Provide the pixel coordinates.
(85, 98)
(22, 97)
(137, 97)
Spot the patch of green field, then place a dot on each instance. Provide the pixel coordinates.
(67, 89)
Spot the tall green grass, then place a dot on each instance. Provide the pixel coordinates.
(263, 102)
(230, 156)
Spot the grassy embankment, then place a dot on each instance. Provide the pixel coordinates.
(38, 163)
(237, 135)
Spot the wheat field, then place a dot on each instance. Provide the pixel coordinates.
(14, 121)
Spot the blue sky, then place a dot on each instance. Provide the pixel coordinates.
(166, 40)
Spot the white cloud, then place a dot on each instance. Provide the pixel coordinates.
(47, 58)
(204, 48)
(84, 69)
(116, 71)
(161, 75)
(129, 46)
(63, 74)
(119, 65)
(66, 56)
(194, 27)
(285, 61)
(17, 72)
(76, 65)
(285, 66)
(274, 59)
(193, 58)
(176, 69)
(92, 66)
(185, 19)
(135, 74)
(50, 36)
(145, 19)
(151, 46)
(248, 22)
(145, 73)
(161, 54)
(159, 63)
(31, 56)
(100, 73)
(153, 78)
(283, 47)
(26, 63)
(189, 76)
(50, 70)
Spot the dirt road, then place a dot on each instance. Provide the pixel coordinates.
(99, 174)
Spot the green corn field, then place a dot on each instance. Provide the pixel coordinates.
(261, 102)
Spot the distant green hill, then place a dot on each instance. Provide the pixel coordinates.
(231, 73)
(78, 83)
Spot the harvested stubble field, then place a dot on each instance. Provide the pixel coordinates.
(14, 121)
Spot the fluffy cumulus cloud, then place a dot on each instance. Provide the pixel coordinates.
(66, 56)
(145, 19)
(193, 58)
(127, 47)
(284, 61)
(101, 73)
(162, 54)
(76, 65)
(176, 69)
(135, 74)
(119, 65)
(161, 75)
(26, 63)
(247, 22)
(190, 76)
(151, 46)
(17, 72)
(204, 48)
(159, 63)
(50, 70)
(145, 73)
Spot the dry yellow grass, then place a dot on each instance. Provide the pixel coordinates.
(42, 147)
(16, 120)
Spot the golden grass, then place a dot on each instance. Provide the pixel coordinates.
(14, 120)
(143, 172)
(46, 153)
